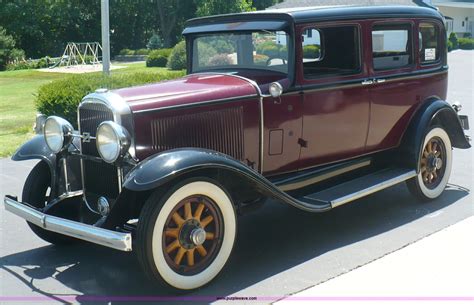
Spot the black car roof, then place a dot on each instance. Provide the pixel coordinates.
(310, 14)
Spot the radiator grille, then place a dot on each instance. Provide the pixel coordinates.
(100, 178)
(219, 130)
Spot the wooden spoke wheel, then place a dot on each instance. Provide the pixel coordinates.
(185, 237)
(192, 235)
(434, 165)
(433, 162)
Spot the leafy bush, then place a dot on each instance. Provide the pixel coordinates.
(163, 52)
(260, 60)
(142, 52)
(155, 42)
(466, 43)
(156, 59)
(454, 40)
(126, 52)
(270, 49)
(219, 60)
(450, 46)
(311, 51)
(61, 97)
(177, 59)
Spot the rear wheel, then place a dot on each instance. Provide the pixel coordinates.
(435, 165)
(36, 193)
(185, 237)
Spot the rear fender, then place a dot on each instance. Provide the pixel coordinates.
(432, 112)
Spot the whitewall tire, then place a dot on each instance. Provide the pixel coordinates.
(435, 165)
(186, 237)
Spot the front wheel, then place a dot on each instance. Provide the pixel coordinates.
(435, 165)
(185, 237)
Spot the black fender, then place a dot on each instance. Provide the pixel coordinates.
(432, 112)
(177, 164)
(36, 148)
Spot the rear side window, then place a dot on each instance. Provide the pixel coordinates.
(429, 43)
(331, 51)
(391, 46)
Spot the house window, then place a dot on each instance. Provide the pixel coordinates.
(429, 42)
(391, 46)
(331, 51)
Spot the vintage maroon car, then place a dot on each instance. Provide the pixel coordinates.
(312, 108)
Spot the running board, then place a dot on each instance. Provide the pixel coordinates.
(360, 187)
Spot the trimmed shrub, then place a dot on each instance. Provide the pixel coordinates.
(466, 43)
(61, 97)
(219, 60)
(205, 53)
(450, 46)
(126, 52)
(163, 52)
(156, 59)
(177, 59)
(142, 52)
(454, 40)
(311, 51)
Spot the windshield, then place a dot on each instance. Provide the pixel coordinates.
(265, 50)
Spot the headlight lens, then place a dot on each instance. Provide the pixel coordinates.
(113, 141)
(57, 133)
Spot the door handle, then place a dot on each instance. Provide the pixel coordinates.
(367, 82)
(379, 80)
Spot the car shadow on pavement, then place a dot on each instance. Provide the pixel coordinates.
(270, 241)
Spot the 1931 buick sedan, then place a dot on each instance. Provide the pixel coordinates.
(312, 108)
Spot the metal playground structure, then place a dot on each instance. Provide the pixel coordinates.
(80, 53)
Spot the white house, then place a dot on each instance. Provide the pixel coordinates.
(459, 16)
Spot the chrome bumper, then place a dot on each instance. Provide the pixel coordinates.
(104, 237)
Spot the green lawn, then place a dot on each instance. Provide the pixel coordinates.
(17, 96)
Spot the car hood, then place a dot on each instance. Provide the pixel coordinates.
(188, 90)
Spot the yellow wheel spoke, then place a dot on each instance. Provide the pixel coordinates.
(172, 233)
(437, 154)
(423, 169)
(199, 210)
(206, 221)
(435, 175)
(188, 214)
(179, 256)
(209, 236)
(425, 153)
(172, 246)
(435, 146)
(178, 219)
(425, 176)
(429, 148)
(190, 257)
(201, 250)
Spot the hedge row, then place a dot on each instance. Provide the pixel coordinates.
(61, 97)
(158, 58)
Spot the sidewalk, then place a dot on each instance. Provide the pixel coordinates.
(437, 269)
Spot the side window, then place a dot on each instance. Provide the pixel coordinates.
(391, 46)
(429, 43)
(330, 51)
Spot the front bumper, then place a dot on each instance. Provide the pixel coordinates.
(108, 238)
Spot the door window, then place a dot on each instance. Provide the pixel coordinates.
(330, 51)
(391, 46)
(429, 43)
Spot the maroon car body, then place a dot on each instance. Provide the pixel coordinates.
(313, 108)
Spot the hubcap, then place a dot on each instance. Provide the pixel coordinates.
(192, 235)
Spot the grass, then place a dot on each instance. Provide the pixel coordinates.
(17, 102)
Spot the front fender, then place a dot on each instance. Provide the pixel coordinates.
(161, 168)
(36, 148)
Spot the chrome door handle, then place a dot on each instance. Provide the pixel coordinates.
(379, 80)
(367, 82)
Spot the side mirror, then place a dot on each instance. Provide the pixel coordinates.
(275, 89)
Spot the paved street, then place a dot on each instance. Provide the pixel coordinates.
(279, 250)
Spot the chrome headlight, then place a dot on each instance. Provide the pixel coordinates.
(113, 141)
(57, 133)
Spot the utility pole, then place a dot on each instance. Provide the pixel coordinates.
(104, 8)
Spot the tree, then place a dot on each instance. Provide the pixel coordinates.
(155, 42)
(7, 49)
(215, 7)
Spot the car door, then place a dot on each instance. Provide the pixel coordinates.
(402, 79)
(336, 104)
